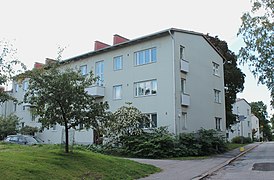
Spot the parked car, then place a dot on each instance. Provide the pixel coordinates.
(22, 139)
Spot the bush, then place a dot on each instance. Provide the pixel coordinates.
(241, 140)
(8, 125)
(159, 143)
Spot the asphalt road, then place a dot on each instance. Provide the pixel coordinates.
(258, 164)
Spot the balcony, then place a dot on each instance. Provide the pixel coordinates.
(185, 99)
(184, 66)
(96, 91)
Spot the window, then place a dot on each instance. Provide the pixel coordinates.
(25, 85)
(145, 56)
(182, 49)
(54, 127)
(117, 63)
(247, 111)
(216, 69)
(217, 96)
(152, 121)
(16, 87)
(99, 72)
(15, 107)
(183, 85)
(81, 126)
(218, 123)
(248, 123)
(117, 92)
(146, 88)
(83, 70)
(22, 124)
(184, 120)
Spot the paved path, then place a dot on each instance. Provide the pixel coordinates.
(190, 169)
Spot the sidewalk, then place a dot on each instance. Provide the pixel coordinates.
(192, 169)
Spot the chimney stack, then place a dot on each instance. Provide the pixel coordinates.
(99, 45)
(117, 39)
(38, 65)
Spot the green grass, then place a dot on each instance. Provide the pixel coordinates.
(50, 162)
(232, 146)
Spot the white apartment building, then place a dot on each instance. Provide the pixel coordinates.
(244, 126)
(174, 76)
(255, 126)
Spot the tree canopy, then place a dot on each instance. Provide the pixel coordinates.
(234, 78)
(8, 125)
(257, 30)
(259, 109)
(59, 96)
(9, 66)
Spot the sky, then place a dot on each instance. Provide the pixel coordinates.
(38, 28)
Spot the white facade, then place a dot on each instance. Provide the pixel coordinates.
(243, 127)
(176, 76)
(255, 126)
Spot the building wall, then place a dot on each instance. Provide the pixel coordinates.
(200, 84)
(255, 126)
(241, 128)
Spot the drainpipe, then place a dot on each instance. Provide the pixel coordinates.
(173, 79)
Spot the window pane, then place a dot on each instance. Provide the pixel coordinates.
(154, 120)
(154, 87)
(147, 56)
(117, 92)
(148, 88)
(83, 70)
(153, 55)
(118, 63)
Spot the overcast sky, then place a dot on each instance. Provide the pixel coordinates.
(37, 28)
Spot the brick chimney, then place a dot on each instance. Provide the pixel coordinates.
(99, 45)
(117, 39)
(38, 65)
(50, 61)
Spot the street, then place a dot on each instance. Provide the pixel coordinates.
(256, 164)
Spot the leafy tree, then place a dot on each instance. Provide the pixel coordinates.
(9, 66)
(127, 121)
(28, 130)
(8, 125)
(259, 109)
(257, 32)
(234, 78)
(59, 96)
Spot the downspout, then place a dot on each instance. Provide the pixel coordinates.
(173, 79)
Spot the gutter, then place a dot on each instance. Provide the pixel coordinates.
(173, 78)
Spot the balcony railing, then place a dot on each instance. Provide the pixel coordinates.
(96, 91)
(184, 66)
(185, 99)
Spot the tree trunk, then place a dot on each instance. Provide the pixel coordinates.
(67, 138)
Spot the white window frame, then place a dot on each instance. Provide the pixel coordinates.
(99, 72)
(148, 88)
(16, 87)
(151, 124)
(115, 91)
(182, 52)
(218, 123)
(145, 56)
(216, 69)
(184, 120)
(183, 85)
(84, 70)
(25, 85)
(217, 96)
(118, 63)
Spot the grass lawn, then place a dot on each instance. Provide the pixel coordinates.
(232, 146)
(50, 162)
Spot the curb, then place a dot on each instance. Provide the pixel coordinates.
(218, 167)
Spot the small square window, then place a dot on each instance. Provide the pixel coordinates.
(83, 70)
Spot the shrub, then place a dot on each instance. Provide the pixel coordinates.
(241, 139)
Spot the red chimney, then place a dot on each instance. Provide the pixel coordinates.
(99, 45)
(117, 39)
(38, 65)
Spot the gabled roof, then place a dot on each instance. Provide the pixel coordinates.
(137, 40)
